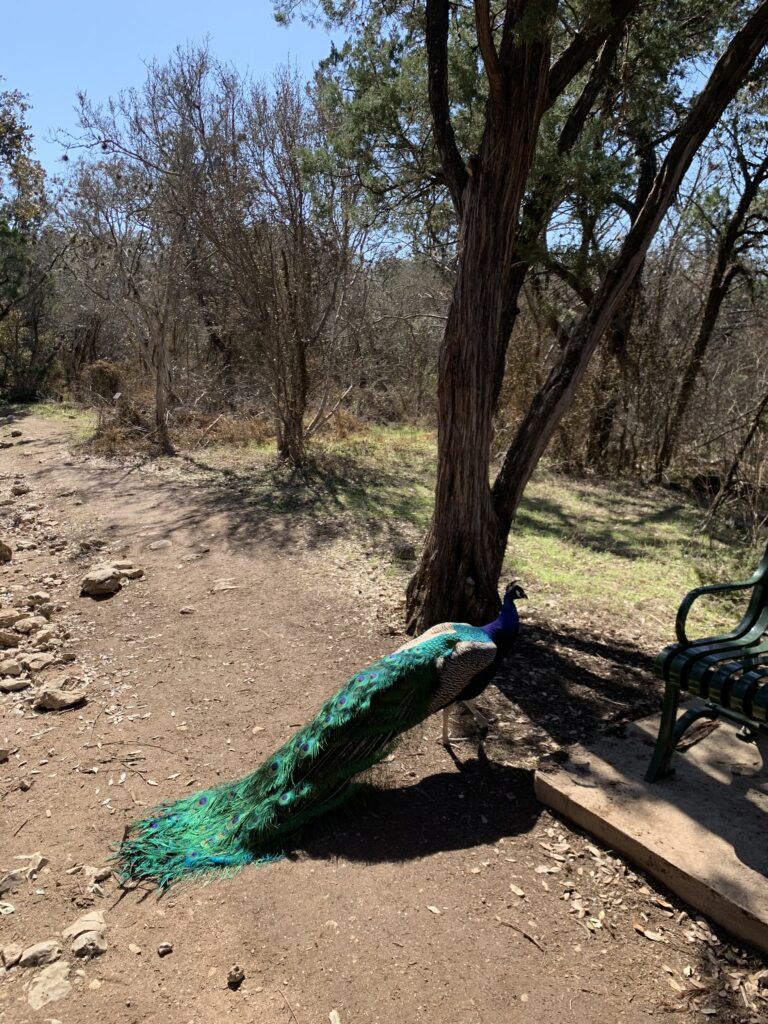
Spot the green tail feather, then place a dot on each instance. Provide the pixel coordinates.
(252, 820)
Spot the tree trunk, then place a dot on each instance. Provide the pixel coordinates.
(460, 564)
(162, 393)
(466, 542)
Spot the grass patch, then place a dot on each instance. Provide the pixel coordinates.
(623, 553)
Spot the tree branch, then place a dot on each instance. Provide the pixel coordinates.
(585, 46)
(437, 69)
(488, 50)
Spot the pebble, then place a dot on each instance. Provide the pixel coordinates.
(235, 977)
(161, 545)
(133, 948)
(25, 784)
(187, 610)
(6, 552)
(164, 949)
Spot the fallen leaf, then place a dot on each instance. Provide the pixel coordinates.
(646, 933)
(433, 910)
(516, 889)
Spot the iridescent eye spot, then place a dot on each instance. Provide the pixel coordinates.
(274, 766)
(305, 747)
(284, 798)
(153, 824)
(235, 818)
(193, 853)
(342, 700)
(203, 800)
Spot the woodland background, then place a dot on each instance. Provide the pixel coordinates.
(224, 260)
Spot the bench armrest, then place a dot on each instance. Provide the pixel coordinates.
(713, 588)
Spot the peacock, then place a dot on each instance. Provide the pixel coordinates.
(254, 819)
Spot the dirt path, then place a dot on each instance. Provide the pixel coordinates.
(400, 910)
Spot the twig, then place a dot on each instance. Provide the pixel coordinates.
(287, 1003)
(525, 934)
(21, 826)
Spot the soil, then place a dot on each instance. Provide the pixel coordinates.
(446, 894)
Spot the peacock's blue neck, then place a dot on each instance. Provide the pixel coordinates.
(505, 627)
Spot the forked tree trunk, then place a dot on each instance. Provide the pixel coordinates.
(464, 549)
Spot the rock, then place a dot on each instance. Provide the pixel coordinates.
(49, 985)
(45, 952)
(133, 948)
(53, 698)
(31, 624)
(97, 874)
(4, 754)
(46, 635)
(235, 977)
(12, 880)
(36, 863)
(8, 639)
(164, 949)
(100, 579)
(89, 944)
(219, 586)
(6, 908)
(39, 597)
(123, 563)
(26, 784)
(161, 545)
(16, 432)
(10, 955)
(187, 610)
(132, 574)
(10, 667)
(26, 545)
(19, 489)
(9, 685)
(10, 616)
(37, 661)
(91, 922)
(6, 552)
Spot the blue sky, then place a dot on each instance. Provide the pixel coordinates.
(52, 50)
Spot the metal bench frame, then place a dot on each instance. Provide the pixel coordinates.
(728, 673)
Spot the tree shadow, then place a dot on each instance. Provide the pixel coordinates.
(475, 806)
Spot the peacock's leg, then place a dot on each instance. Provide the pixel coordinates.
(483, 723)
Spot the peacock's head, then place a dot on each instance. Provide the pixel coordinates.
(514, 592)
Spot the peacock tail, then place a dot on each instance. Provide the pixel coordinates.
(251, 820)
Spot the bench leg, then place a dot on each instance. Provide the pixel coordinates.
(665, 742)
(672, 731)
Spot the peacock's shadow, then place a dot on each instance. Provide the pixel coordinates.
(448, 811)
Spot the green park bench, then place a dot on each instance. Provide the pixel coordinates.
(728, 674)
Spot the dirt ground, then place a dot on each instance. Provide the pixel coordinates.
(447, 894)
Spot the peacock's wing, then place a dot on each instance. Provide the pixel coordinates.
(474, 654)
(246, 820)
